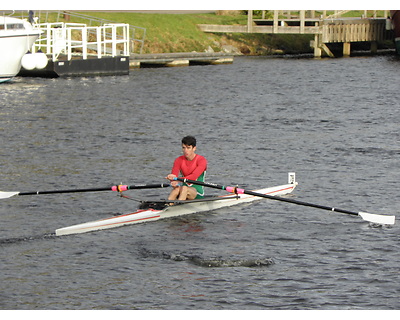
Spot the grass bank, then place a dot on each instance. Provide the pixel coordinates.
(166, 33)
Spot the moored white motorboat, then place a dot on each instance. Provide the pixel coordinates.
(16, 39)
(179, 209)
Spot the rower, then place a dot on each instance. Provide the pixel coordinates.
(191, 166)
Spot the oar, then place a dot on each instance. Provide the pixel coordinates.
(119, 188)
(370, 217)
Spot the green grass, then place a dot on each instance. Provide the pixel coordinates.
(173, 32)
(179, 33)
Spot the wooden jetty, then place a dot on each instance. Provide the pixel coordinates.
(329, 31)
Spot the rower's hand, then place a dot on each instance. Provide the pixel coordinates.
(170, 177)
(173, 182)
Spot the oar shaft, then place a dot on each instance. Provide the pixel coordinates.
(149, 186)
(256, 194)
(302, 203)
(119, 188)
(63, 191)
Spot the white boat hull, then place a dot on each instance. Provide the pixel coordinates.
(14, 44)
(147, 215)
(10, 60)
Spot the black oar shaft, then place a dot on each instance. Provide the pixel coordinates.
(256, 194)
(64, 191)
(149, 186)
(302, 203)
(111, 188)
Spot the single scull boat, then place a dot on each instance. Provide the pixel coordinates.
(152, 213)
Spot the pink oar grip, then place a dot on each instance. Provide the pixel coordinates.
(120, 188)
(234, 190)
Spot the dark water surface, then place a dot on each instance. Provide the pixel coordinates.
(335, 122)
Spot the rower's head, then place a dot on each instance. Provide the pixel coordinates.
(189, 141)
(189, 147)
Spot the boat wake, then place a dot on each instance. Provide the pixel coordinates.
(24, 239)
(217, 262)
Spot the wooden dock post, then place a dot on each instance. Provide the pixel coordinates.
(302, 21)
(316, 45)
(276, 15)
(346, 49)
(250, 21)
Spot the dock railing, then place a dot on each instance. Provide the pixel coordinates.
(74, 39)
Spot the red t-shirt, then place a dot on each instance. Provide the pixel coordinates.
(190, 169)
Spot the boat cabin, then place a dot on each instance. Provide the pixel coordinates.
(12, 26)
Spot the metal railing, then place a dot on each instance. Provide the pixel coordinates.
(137, 34)
(79, 39)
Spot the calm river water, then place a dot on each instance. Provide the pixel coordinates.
(335, 122)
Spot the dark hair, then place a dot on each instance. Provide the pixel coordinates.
(189, 141)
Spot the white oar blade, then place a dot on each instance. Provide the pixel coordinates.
(8, 194)
(377, 218)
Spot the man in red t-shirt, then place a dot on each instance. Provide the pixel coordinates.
(191, 166)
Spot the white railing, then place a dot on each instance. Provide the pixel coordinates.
(74, 39)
